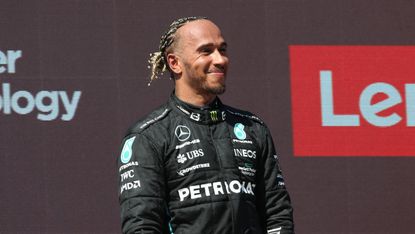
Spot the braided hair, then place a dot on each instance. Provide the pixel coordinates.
(158, 60)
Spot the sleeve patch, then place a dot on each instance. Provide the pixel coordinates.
(127, 150)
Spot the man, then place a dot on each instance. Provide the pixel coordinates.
(195, 165)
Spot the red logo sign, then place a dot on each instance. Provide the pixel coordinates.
(353, 100)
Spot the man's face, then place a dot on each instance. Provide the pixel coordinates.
(202, 54)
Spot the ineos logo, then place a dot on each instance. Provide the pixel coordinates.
(182, 132)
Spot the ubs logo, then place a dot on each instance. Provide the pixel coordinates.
(181, 158)
(182, 132)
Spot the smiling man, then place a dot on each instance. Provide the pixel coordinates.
(195, 165)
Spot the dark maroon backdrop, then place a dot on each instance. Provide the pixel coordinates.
(60, 176)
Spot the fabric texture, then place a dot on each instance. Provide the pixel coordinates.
(185, 169)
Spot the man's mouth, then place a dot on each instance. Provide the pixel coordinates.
(217, 72)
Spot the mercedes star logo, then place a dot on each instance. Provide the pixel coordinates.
(182, 132)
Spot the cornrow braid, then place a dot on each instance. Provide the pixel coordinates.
(158, 61)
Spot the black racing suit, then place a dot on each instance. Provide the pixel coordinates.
(194, 170)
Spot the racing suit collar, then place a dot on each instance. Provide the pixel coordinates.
(211, 113)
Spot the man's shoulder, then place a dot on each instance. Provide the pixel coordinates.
(243, 114)
(150, 120)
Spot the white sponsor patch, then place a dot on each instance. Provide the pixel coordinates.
(274, 231)
(181, 158)
(242, 141)
(154, 119)
(182, 132)
(130, 185)
(245, 153)
(192, 168)
(130, 164)
(195, 141)
(247, 171)
(216, 188)
(127, 175)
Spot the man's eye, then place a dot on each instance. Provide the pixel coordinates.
(206, 51)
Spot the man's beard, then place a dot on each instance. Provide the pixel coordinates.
(201, 84)
(213, 90)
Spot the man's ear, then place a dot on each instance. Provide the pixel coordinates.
(173, 63)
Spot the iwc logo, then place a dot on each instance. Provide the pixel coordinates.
(182, 132)
(238, 129)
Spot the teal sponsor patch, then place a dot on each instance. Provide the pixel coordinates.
(249, 165)
(238, 129)
(127, 150)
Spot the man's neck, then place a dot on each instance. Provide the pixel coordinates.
(195, 99)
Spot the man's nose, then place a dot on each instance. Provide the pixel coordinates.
(219, 58)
